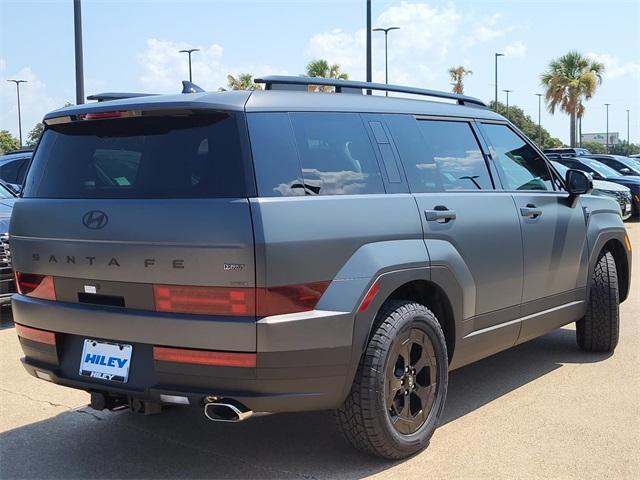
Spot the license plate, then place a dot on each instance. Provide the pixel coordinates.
(106, 361)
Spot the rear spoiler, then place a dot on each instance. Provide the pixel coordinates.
(105, 97)
(187, 87)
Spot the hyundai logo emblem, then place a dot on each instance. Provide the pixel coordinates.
(95, 219)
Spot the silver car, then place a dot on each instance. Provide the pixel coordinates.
(7, 286)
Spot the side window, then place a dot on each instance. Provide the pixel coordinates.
(275, 157)
(9, 171)
(522, 167)
(335, 154)
(452, 158)
(22, 170)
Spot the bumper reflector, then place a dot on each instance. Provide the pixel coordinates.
(177, 399)
(44, 376)
(36, 335)
(368, 298)
(204, 357)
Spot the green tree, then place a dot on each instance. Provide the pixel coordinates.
(34, 135)
(457, 75)
(244, 81)
(569, 81)
(623, 148)
(594, 147)
(528, 126)
(8, 142)
(322, 69)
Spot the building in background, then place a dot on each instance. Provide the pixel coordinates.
(614, 138)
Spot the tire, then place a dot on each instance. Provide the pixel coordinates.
(391, 425)
(598, 330)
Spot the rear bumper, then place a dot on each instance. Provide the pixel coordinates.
(302, 360)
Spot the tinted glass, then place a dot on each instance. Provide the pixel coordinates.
(451, 158)
(14, 170)
(195, 156)
(601, 168)
(274, 153)
(522, 167)
(335, 154)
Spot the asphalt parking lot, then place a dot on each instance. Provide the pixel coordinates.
(541, 410)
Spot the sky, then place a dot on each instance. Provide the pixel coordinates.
(133, 45)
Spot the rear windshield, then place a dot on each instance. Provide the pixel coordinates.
(196, 156)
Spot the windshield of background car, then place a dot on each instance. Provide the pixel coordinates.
(601, 168)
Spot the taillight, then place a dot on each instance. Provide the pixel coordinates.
(289, 298)
(37, 286)
(238, 301)
(204, 357)
(205, 300)
(36, 335)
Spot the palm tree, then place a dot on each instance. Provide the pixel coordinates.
(457, 75)
(322, 69)
(569, 81)
(243, 82)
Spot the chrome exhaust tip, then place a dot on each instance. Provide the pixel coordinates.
(226, 410)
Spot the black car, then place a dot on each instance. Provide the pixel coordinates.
(621, 164)
(600, 171)
(575, 152)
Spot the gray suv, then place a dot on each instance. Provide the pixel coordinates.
(280, 250)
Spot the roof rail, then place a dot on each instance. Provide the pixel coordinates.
(104, 97)
(277, 82)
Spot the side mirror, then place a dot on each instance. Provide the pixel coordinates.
(625, 171)
(578, 182)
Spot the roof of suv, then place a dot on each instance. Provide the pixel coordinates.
(282, 100)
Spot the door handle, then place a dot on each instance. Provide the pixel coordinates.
(440, 214)
(530, 211)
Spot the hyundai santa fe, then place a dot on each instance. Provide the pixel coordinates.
(281, 250)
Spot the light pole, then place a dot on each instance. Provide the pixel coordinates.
(77, 28)
(496, 84)
(628, 139)
(386, 57)
(539, 95)
(368, 53)
(607, 105)
(189, 51)
(507, 92)
(18, 82)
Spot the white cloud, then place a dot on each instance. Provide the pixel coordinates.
(485, 29)
(164, 67)
(34, 100)
(517, 50)
(614, 68)
(430, 40)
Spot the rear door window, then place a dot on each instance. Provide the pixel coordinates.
(451, 159)
(194, 156)
(335, 153)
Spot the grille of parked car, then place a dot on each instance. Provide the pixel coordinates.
(623, 198)
(6, 274)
